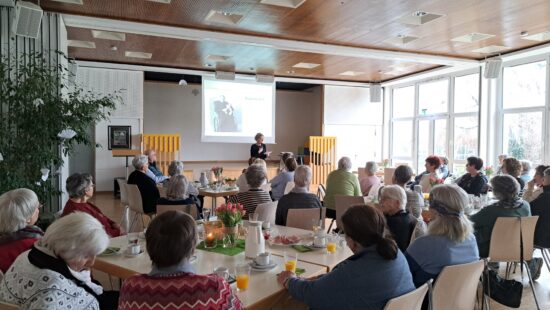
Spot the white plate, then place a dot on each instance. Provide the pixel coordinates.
(257, 267)
(127, 254)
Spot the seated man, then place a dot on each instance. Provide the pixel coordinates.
(299, 197)
(340, 182)
(393, 200)
(541, 207)
(154, 172)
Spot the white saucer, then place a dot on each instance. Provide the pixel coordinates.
(129, 255)
(257, 267)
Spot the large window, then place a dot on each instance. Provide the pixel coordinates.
(523, 108)
(433, 97)
(403, 102)
(402, 139)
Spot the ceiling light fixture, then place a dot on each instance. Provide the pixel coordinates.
(418, 18)
(161, 1)
(225, 18)
(80, 2)
(182, 82)
(401, 39)
(109, 35)
(351, 73)
(539, 37)
(285, 3)
(141, 55)
(306, 65)
(473, 37)
(490, 49)
(82, 44)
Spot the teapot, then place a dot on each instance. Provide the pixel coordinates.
(255, 243)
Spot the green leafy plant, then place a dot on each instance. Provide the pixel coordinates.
(37, 103)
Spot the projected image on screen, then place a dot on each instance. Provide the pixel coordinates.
(234, 111)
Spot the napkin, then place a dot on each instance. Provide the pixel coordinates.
(302, 248)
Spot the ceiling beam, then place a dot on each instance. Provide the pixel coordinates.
(242, 39)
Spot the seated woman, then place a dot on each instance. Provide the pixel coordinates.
(534, 187)
(56, 271)
(473, 182)
(176, 168)
(80, 188)
(241, 180)
(176, 193)
(525, 174)
(449, 239)
(299, 197)
(512, 167)
(509, 204)
(255, 177)
(375, 273)
(370, 180)
(340, 182)
(147, 187)
(432, 168)
(401, 224)
(278, 183)
(172, 282)
(415, 201)
(18, 214)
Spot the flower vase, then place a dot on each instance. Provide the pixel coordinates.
(230, 236)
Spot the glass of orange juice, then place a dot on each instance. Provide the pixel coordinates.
(242, 272)
(332, 244)
(291, 260)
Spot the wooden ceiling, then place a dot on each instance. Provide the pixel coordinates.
(357, 23)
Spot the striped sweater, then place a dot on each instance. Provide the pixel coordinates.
(177, 291)
(251, 199)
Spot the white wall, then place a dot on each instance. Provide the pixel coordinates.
(129, 84)
(170, 108)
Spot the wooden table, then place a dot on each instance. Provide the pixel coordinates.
(318, 256)
(214, 194)
(262, 293)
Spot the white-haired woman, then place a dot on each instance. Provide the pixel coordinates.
(80, 187)
(55, 273)
(176, 168)
(370, 180)
(340, 182)
(176, 193)
(449, 240)
(401, 223)
(18, 214)
(147, 187)
(255, 177)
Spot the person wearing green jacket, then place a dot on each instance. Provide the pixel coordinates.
(340, 182)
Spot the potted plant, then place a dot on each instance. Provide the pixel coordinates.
(230, 215)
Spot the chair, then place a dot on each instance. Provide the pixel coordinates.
(545, 255)
(456, 287)
(361, 173)
(189, 209)
(321, 192)
(410, 301)
(124, 201)
(303, 218)
(342, 203)
(135, 205)
(266, 211)
(289, 186)
(388, 176)
(505, 243)
(7, 306)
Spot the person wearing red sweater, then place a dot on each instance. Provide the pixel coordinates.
(18, 214)
(172, 283)
(81, 188)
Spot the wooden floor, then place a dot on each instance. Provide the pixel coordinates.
(112, 208)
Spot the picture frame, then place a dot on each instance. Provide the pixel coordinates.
(120, 137)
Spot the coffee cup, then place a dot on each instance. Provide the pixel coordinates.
(134, 249)
(266, 225)
(263, 259)
(222, 272)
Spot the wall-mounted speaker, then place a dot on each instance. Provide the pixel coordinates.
(375, 93)
(224, 75)
(263, 78)
(28, 17)
(493, 67)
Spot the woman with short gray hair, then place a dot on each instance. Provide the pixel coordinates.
(340, 182)
(525, 174)
(58, 266)
(509, 204)
(177, 194)
(370, 181)
(176, 168)
(255, 177)
(19, 210)
(80, 187)
(401, 223)
(147, 186)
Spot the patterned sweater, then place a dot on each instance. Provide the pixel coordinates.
(177, 291)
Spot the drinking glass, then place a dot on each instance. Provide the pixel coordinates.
(253, 216)
(242, 272)
(317, 226)
(291, 260)
(332, 244)
(206, 214)
(133, 239)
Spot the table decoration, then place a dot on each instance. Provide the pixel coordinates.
(237, 249)
(230, 215)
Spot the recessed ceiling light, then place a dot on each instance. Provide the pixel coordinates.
(208, 65)
(284, 3)
(161, 1)
(392, 73)
(351, 73)
(490, 49)
(225, 18)
(306, 65)
(79, 43)
(418, 18)
(114, 48)
(290, 72)
(141, 55)
(473, 37)
(543, 36)
(401, 39)
(217, 58)
(71, 1)
(400, 67)
(109, 35)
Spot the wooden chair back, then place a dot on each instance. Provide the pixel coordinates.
(456, 287)
(343, 202)
(289, 186)
(410, 301)
(134, 198)
(123, 192)
(304, 218)
(505, 244)
(189, 209)
(266, 211)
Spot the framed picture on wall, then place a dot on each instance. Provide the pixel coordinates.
(120, 137)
